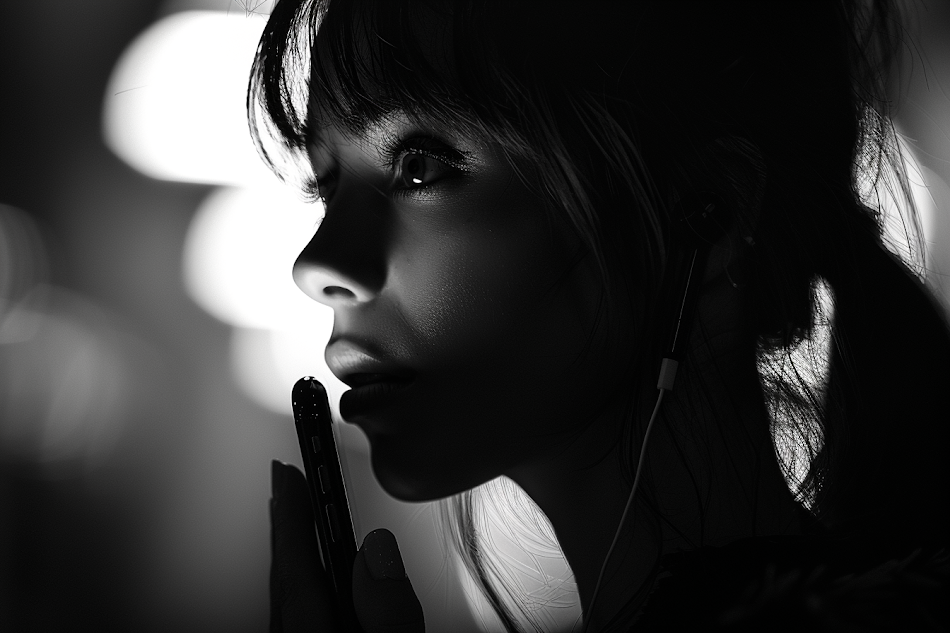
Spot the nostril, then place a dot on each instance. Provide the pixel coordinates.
(338, 292)
(326, 285)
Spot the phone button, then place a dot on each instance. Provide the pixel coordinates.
(315, 442)
(322, 476)
(332, 522)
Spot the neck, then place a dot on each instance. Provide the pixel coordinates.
(585, 507)
(710, 470)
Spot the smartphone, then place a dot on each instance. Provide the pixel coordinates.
(331, 510)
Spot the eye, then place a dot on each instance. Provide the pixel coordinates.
(326, 185)
(422, 160)
(416, 170)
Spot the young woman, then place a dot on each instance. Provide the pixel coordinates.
(529, 206)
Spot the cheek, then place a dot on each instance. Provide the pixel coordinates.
(501, 324)
(485, 282)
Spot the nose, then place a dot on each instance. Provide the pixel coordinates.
(341, 266)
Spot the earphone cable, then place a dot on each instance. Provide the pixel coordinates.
(667, 377)
(629, 505)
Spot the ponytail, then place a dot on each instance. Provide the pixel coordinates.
(883, 472)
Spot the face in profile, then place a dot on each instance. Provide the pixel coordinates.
(465, 315)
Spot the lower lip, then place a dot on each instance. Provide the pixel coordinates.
(362, 400)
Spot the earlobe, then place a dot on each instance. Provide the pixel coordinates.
(737, 270)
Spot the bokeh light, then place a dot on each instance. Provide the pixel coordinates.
(175, 110)
(174, 107)
(64, 366)
(237, 262)
(239, 253)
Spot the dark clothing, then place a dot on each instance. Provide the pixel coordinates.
(800, 583)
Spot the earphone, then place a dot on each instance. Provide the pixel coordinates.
(704, 218)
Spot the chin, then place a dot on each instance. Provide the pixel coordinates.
(409, 489)
(412, 478)
(414, 487)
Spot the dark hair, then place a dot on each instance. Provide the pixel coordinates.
(612, 107)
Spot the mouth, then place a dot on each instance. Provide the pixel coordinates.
(376, 380)
(357, 367)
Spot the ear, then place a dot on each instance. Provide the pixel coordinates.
(734, 170)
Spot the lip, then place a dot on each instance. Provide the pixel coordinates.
(356, 365)
(360, 401)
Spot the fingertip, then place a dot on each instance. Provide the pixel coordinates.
(382, 592)
(287, 480)
(382, 556)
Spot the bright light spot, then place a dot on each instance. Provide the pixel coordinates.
(174, 106)
(248, 8)
(803, 369)
(239, 255)
(266, 364)
(531, 574)
(921, 180)
(883, 191)
(934, 197)
(894, 229)
(175, 110)
(924, 184)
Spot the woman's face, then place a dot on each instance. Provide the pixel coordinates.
(465, 319)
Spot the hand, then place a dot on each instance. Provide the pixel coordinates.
(301, 595)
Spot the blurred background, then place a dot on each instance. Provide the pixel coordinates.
(150, 331)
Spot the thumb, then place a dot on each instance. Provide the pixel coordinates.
(382, 594)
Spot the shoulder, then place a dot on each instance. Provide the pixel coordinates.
(799, 583)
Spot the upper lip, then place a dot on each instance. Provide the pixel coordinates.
(353, 364)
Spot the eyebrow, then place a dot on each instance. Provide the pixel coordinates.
(376, 133)
(311, 131)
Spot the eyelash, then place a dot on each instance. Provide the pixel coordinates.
(397, 148)
(392, 153)
(311, 190)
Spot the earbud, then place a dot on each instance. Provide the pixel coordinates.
(703, 220)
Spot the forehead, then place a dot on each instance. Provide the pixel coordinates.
(375, 133)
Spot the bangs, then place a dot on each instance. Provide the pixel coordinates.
(512, 74)
(371, 59)
(352, 63)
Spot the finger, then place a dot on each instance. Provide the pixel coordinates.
(299, 591)
(384, 599)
